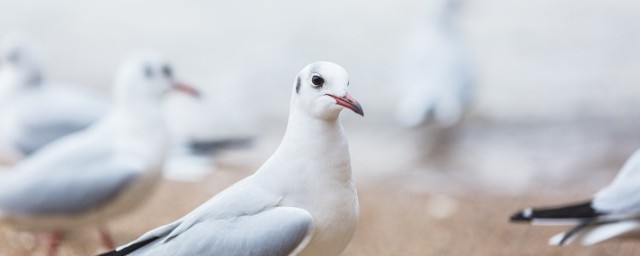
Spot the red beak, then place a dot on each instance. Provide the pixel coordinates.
(188, 89)
(348, 102)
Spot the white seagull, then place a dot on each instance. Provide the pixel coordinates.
(302, 201)
(89, 177)
(433, 69)
(613, 212)
(34, 112)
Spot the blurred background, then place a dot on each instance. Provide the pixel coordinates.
(554, 113)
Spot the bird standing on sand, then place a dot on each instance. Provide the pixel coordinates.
(302, 201)
(89, 177)
(613, 212)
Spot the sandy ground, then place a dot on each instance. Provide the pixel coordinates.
(441, 204)
(394, 221)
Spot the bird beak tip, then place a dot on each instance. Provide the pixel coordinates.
(348, 102)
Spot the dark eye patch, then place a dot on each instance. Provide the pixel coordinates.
(317, 81)
(167, 71)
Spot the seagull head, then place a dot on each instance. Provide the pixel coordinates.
(147, 76)
(322, 89)
(20, 59)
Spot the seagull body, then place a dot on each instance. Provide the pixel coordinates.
(433, 70)
(81, 179)
(614, 211)
(301, 201)
(34, 112)
(91, 176)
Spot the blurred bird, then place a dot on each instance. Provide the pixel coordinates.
(433, 69)
(33, 111)
(89, 177)
(302, 201)
(613, 212)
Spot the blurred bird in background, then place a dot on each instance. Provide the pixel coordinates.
(613, 212)
(89, 177)
(33, 110)
(297, 203)
(434, 76)
(433, 69)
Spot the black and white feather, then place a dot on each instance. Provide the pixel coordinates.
(614, 211)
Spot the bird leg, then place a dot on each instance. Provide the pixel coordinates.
(53, 241)
(106, 238)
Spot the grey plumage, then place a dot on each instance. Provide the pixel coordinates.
(84, 175)
(53, 195)
(256, 226)
(35, 136)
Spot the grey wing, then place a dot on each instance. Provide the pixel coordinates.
(274, 232)
(623, 194)
(64, 193)
(52, 114)
(35, 136)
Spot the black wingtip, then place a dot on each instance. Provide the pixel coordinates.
(583, 210)
(129, 249)
(522, 216)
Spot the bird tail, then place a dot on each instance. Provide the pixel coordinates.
(590, 234)
(206, 147)
(567, 237)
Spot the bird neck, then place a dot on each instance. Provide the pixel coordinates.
(312, 148)
(140, 131)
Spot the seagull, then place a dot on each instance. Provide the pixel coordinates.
(433, 69)
(106, 170)
(302, 201)
(34, 111)
(612, 212)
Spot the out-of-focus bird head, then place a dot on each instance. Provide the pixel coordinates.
(321, 88)
(147, 76)
(20, 61)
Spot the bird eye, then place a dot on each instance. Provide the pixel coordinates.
(318, 81)
(166, 70)
(148, 71)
